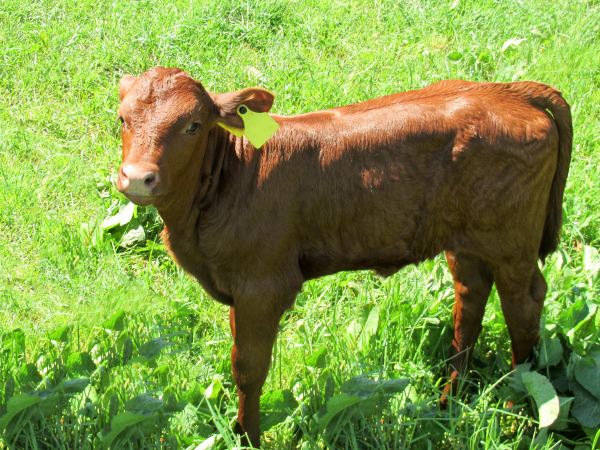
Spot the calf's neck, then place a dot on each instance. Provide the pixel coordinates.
(475, 170)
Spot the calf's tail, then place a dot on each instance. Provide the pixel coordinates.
(551, 100)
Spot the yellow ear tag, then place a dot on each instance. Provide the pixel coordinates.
(258, 127)
(235, 131)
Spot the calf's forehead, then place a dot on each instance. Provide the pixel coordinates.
(164, 98)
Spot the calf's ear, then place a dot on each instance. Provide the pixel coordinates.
(125, 84)
(256, 99)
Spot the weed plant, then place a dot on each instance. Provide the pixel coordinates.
(104, 342)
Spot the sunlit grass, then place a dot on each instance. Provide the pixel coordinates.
(59, 148)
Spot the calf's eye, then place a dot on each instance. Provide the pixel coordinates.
(192, 128)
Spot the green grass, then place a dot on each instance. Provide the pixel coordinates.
(60, 148)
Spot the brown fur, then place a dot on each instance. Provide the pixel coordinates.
(474, 170)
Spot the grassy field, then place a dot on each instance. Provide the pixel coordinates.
(105, 342)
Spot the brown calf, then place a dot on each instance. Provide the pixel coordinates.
(475, 170)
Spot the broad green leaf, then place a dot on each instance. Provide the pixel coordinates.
(515, 385)
(591, 260)
(127, 350)
(364, 387)
(592, 434)
(173, 406)
(88, 411)
(329, 388)
(586, 407)
(29, 376)
(544, 395)
(71, 387)
(374, 393)
(111, 222)
(275, 407)
(163, 373)
(50, 400)
(173, 443)
(550, 353)
(144, 404)
(382, 397)
(116, 322)
(483, 56)
(138, 360)
(454, 56)
(396, 386)
(113, 407)
(118, 424)
(354, 328)
(9, 388)
(369, 405)
(214, 392)
(360, 386)
(372, 323)
(126, 213)
(562, 422)
(14, 341)
(510, 43)
(203, 430)
(182, 308)
(147, 427)
(208, 444)
(335, 405)
(134, 236)
(80, 364)
(194, 393)
(45, 393)
(587, 373)
(60, 334)
(153, 347)
(574, 314)
(141, 214)
(318, 359)
(410, 410)
(15, 405)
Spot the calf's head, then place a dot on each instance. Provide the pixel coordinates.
(166, 118)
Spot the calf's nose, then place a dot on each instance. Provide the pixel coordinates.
(134, 179)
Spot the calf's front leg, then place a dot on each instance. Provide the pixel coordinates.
(254, 327)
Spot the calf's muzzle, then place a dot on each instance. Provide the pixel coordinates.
(138, 180)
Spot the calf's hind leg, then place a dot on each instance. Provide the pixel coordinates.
(522, 292)
(473, 282)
